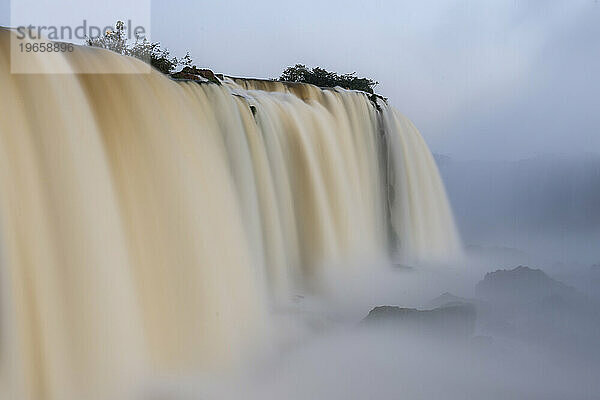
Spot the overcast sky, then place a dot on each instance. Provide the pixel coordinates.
(480, 79)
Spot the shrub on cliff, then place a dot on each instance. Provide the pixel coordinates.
(142, 49)
(320, 77)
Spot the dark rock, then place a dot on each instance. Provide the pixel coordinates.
(373, 97)
(521, 285)
(451, 322)
(527, 305)
(208, 74)
(196, 74)
(448, 299)
(185, 76)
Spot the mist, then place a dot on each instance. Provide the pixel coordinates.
(530, 230)
(532, 338)
(547, 206)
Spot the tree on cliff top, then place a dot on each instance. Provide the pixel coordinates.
(143, 49)
(320, 77)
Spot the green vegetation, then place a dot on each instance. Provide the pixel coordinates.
(161, 59)
(323, 78)
(143, 49)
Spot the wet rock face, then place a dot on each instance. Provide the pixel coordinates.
(452, 322)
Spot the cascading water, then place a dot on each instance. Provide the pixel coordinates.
(147, 225)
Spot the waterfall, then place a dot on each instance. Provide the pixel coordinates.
(149, 225)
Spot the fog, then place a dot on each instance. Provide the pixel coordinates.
(533, 338)
(546, 206)
(535, 331)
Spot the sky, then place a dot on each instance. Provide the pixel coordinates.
(500, 80)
